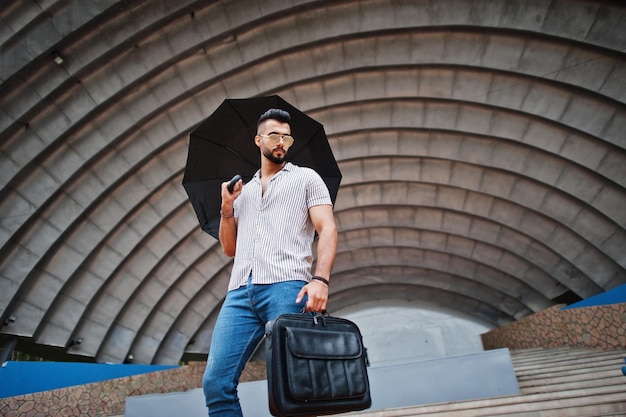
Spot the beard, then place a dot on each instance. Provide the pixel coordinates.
(275, 159)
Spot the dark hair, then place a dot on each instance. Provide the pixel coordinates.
(274, 114)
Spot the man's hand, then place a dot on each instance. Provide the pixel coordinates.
(317, 293)
(229, 198)
(228, 223)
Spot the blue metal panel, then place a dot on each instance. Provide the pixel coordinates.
(17, 378)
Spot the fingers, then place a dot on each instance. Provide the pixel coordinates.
(229, 197)
(317, 296)
(225, 192)
(301, 294)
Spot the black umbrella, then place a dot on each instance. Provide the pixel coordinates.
(223, 146)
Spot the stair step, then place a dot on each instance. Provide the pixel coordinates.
(565, 372)
(557, 382)
(522, 356)
(561, 379)
(546, 386)
(592, 402)
(521, 353)
(556, 372)
(548, 359)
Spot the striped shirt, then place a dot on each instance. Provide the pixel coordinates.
(274, 231)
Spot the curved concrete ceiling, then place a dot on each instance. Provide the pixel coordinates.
(481, 143)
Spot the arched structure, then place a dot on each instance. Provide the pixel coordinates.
(482, 145)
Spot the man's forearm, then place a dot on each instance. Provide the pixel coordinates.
(228, 231)
(326, 251)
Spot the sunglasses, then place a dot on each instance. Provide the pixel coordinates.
(275, 138)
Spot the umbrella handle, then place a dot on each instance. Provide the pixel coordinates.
(231, 184)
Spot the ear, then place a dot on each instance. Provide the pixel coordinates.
(257, 140)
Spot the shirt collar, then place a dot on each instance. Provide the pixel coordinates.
(288, 167)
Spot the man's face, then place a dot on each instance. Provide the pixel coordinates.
(274, 151)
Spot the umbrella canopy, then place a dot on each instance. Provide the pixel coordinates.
(223, 146)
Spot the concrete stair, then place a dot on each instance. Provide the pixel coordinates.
(559, 382)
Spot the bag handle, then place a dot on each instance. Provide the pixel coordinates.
(315, 314)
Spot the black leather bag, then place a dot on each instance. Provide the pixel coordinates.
(316, 365)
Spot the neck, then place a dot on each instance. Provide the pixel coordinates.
(269, 169)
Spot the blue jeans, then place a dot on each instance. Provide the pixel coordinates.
(239, 328)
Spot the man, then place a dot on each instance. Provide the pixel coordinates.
(268, 225)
